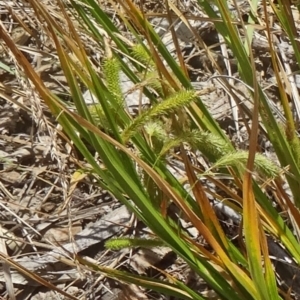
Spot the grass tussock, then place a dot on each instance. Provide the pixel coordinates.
(149, 131)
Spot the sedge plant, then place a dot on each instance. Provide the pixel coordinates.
(178, 119)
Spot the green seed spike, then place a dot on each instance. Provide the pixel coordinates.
(121, 243)
(111, 71)
(176, 101)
